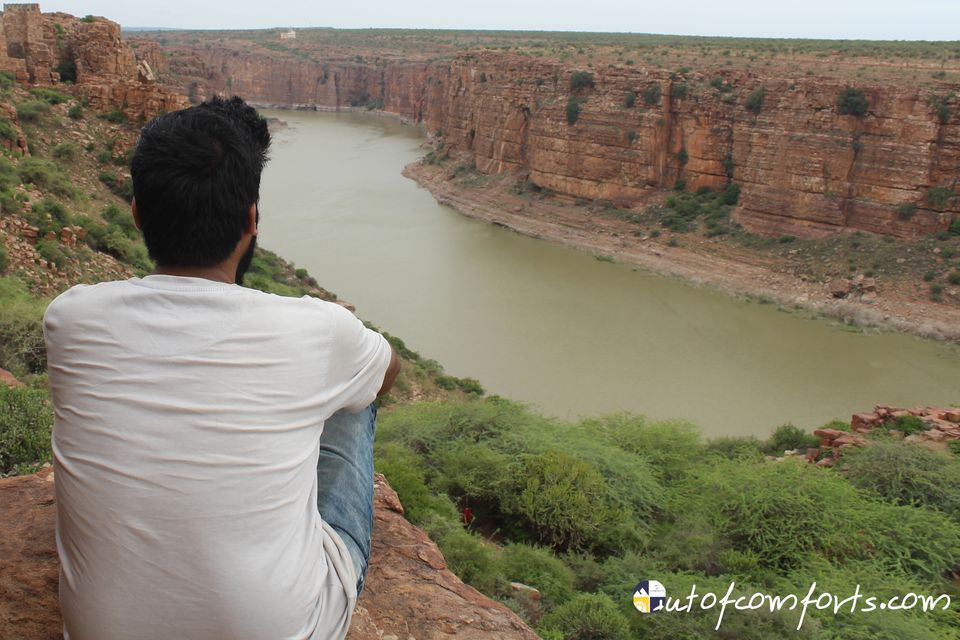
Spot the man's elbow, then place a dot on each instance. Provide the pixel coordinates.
(393, 369)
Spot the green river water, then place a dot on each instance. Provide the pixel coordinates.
(554, 327)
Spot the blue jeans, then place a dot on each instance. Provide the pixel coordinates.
(345, 481)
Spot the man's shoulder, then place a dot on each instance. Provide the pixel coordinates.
(80, 294)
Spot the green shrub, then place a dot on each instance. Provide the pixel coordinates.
(65, 151)
(563, 500)
(680, 184)
(683, 156)
(754, 103)
(32, 110)
(907, 425)
(954, 228)
(22, 348)
(7, 79)
(407, 476)
(115, 115)
(906, 474)
(26, 420)
(581, 80)
(651, 95)
(852, 102)
(954, 278)
(51, 251)
(680, 91)
(588, 616)
(941, 106)
(537, 567)
(573, 110)
(630, 99)
(906, 210)
(116, 217)
(787, 437)
(104, 156)
(4, 258)
(75, 112)
(50, 96)
(116, 243)
(48, 216)
(46, 175)
(736, 448)
(473, 561)
(940, 197)
(7, 132)
(731, 195)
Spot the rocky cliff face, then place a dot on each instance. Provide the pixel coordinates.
(49, 49)
(805, 168)
(408, 593)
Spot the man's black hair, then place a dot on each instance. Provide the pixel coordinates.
(196, 172)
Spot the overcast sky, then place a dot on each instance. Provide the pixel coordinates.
(843, 19)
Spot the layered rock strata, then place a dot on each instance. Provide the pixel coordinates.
(805, 168)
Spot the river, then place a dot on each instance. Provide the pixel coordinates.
(554, 327)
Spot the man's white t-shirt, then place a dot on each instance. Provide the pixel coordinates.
(188, 416)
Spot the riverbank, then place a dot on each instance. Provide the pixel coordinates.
(891, 305)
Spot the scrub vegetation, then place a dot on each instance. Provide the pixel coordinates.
(583, 511)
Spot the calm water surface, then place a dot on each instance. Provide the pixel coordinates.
(554, 327)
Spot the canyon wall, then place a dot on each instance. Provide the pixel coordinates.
(85, 56)
(804, 168)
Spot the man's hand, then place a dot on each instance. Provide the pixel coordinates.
(391, 375)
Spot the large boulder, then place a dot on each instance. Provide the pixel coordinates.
(409, 590)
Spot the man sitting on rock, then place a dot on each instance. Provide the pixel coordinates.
(212, 443)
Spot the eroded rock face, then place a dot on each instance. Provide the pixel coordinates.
(409, 591)
(805, 169)
(40, 47)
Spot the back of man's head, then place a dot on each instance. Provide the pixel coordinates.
(196, 173)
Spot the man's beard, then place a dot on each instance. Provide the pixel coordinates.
(245, 260)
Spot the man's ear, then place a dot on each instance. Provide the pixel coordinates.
(136, 214)
(253, 216)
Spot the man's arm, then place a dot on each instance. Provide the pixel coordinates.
(391, 375)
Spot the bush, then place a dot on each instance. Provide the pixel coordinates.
(683, 156)
(51, 251)
(563, 500)
(731, 195)
(906, 210)
(134, 253)
(588, 616)
(538, 568)
(46, 175)
(907, 425)
(65, 151)
(115, 115)
(754, 102)
(115, 217)
(630, 99)
(787, 437)
(680, 184)
(7, 132)
(22, 349)
(50, 96)
(573, 110)
(581, 80)
(954, 278)
(680, 91)
(852, 102)
(651, 95)
(32, 110)
(940, 197)
(75, 112)
(48, 216)
(471, 559)
(7, 79)
(26, 420)
(905, 474)
(954, 228)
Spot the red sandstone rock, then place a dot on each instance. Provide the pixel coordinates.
(861, 421)
(799, 172)
(952, 415)
(409, 592)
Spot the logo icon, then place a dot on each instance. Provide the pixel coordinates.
(649, 596)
